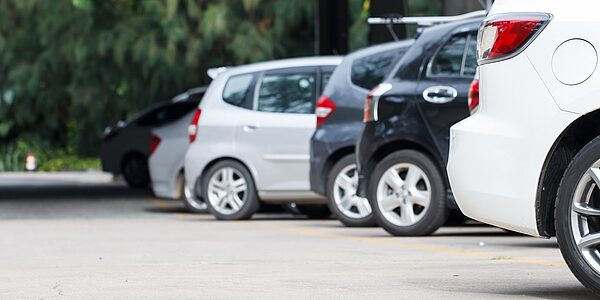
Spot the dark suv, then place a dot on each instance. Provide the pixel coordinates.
(403, 149)
(339, 123)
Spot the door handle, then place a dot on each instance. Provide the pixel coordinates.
(440, 94)
(250, 128)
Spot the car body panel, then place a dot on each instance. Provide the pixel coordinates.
(338, 135)
(273, 146)
(498, 154)
(406, 120)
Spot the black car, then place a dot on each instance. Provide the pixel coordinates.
(339, 124)
(403, 148)
(125, 146)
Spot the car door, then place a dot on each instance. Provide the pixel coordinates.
(275, 135)
(443, 89)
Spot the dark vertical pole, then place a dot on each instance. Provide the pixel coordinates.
(331, 25)
(380, 8)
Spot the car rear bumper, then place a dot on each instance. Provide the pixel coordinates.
(497, 155)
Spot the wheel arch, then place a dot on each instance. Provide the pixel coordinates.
(331, 160)
(565, 147)
(404, 144)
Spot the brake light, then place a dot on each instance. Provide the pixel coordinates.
(473, 96)
(325, 108)
(193, 128)
(372, 101)
(504, 36)
(154, 142)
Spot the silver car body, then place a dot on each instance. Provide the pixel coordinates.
(166, 163)
(273, 146)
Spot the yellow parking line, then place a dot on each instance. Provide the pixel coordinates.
(412, 246)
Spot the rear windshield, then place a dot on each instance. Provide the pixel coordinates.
(369, 71)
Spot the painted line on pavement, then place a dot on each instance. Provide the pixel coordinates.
(397, 242)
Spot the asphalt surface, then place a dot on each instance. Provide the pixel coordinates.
(82, 236)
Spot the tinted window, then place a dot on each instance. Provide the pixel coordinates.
(471, 58)
(287, 93)
(237, 89)
(369, 71)
(166, 114)
(448, 60)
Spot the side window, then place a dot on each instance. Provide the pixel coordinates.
(367, 72)
(287, 93)
(470, 58)
(237, 90)
(448, 61)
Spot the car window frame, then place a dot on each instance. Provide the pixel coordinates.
(288, 70)
(469, 35)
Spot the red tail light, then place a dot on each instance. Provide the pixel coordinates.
(368, 114)
(474, 96)
(193, 128)
(154, 142)
(372, 101)
(325, 108)
(505, 36)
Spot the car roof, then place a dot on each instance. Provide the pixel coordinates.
(284, 63)
(379, 48)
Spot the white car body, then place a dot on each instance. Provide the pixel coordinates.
(166, 163)
(498, 155)
(273, 146)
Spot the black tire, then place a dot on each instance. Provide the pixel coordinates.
(562, 215)
(349, 221)
(437, 212)
(135, 171)
(251, 203)
(318, 212)
(190, 198)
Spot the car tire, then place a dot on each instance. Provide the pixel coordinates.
(190, 197)
(229, 191)
(342, 181)
(135, 171)
(317, 212)
(414, 206)
(577, 216)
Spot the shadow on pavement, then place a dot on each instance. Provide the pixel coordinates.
(76, 191)
(551, 292)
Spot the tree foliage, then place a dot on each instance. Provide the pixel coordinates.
(70, 67)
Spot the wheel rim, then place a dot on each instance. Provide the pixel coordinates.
(344, 194)
(227, 191)
(404, 194)
(585, 216)
(192, 198)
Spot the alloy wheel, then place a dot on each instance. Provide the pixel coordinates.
(227, 191)
(585, 216)
(404, 194)
(192, 198)
(344, 194)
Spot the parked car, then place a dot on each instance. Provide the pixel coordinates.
(125, 146)
(168, 144)
(250, 140)
(403, 148)
(528, 160)
(339, 123)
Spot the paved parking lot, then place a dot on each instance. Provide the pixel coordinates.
(82, 236)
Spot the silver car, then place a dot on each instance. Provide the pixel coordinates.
(250, 138)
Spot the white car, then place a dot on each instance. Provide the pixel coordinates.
(250, 137)
(529, 159)
(168, 145)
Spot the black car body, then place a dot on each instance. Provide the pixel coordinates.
(337, 133)
(126, 145)
(424, 95)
